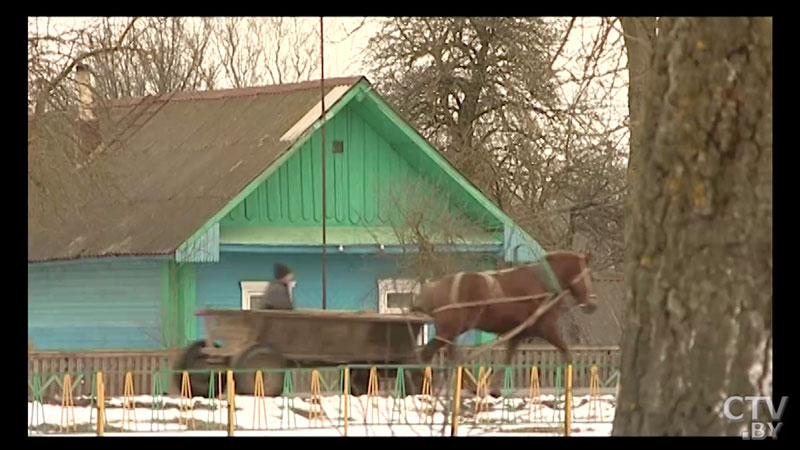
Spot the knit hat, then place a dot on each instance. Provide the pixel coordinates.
(281, 271)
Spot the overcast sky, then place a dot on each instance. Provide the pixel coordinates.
(346, 38)
(343, 46)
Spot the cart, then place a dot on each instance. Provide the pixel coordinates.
(250, 340)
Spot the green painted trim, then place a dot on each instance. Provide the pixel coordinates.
(358, 249)
(98, 259)
(165, 303)
(187, 274)
(337, 235)
(178, 303)
(357, 88)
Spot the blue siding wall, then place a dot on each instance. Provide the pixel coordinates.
(100, 304)
(352, 281)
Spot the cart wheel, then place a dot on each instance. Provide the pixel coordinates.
(192, 359)
(259, 357)
(359, 380)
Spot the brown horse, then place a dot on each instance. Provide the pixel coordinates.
(499, 301)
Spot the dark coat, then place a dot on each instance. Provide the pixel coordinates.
(275, 297)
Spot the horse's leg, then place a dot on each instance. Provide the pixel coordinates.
(430, 349)
(511, 347)
(499, 376)
(549, 332)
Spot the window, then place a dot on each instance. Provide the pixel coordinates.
(252, 290)
(400, 301)
(396, 297)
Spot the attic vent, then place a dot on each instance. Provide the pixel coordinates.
(338, 147)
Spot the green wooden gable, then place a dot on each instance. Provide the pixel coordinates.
(380, 155)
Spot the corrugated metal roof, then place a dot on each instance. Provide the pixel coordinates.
(168, 165)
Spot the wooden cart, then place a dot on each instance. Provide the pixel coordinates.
(240, 339)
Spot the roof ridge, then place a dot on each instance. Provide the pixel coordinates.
(236, 92)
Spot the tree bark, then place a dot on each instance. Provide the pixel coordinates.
(640, 34)
(640, 37)
(700, 264)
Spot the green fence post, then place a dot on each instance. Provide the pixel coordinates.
(212, 402)
(509, 415)
(288, 399)
(37, 402)
(157, 391)
(399, 404)
(557, 397)
(92, 399)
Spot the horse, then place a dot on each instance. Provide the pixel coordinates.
(500, 301)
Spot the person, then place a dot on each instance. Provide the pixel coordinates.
(277, 294)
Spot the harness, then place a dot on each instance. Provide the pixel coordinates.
(493, 301)
(555, 298)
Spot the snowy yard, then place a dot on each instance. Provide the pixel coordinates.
(383, 416)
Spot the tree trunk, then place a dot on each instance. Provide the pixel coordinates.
(700, 264)
(639, 41)
(640, 37)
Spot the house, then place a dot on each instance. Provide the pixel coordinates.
(200, 193)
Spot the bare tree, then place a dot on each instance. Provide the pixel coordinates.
(429, 228)
(521, 114)
(279, 50)
(173, 57)
(700, 262)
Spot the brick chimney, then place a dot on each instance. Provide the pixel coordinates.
(85, 97)
(88, 131)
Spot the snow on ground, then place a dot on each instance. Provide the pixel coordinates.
(279, 416)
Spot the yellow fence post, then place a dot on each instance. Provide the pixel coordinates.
(101, 405)
(481, 393)
(427, 394)
(456, 403)
(568, 403)
(231, 406)
(373, 390)
(260, 406)
(67, 404)
(315, 406)
(535, 397)
(346, 398)
(129, 403)
(187, 401)
(594, 394)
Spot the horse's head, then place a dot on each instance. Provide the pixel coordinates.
(581, 286)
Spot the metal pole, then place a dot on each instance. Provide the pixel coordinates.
(346, 398)
(568, 403)
(322, 129)
(231, 406)
(456, 403)
(101, 404)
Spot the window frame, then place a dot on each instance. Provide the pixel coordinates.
(388, 286)
(252, 287)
